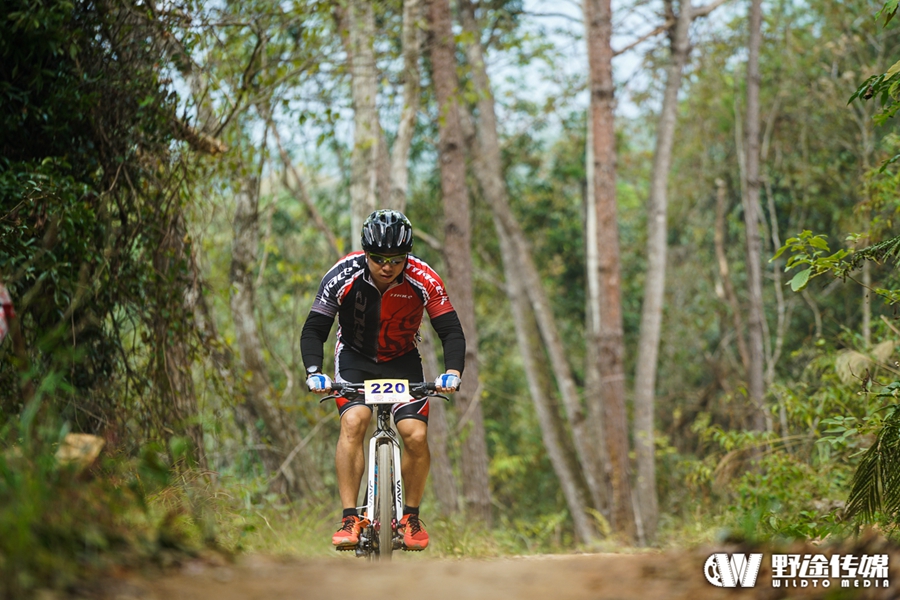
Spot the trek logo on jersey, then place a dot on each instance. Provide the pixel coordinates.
(336, 281)
(735, 570)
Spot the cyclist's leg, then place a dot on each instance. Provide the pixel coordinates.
(349, 457)
(416, 459)
(412, 425)
(355, 416)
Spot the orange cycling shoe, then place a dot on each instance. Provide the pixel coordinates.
(414, 535)
(348, 535)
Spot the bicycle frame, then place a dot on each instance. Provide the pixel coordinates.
(384, 434)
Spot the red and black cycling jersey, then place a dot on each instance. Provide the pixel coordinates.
(380, 326)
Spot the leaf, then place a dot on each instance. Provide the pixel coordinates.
(781, 251)
(800, 280)
(888, 12)
(889, 162)
(818, 241)
(893, 70)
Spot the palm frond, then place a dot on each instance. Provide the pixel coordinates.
(881, 252)
(876, 484)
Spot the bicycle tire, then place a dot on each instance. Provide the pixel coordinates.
(384, 501)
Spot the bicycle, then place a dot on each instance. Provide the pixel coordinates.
(384, 488)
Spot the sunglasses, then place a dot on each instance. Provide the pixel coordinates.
(390, 260)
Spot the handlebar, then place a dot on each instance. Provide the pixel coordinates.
(426, 389)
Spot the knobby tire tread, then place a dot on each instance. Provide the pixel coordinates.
(384, 501)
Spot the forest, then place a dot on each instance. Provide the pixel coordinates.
(666, 226)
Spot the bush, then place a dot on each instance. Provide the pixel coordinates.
(61, 527)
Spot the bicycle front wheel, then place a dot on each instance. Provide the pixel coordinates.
(384, 501)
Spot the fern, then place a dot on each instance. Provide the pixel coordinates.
(876, 484)
(879, 253)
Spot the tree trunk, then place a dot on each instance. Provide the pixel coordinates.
(174, 354)
(592, 387)
(442, 479)
(367, 136)
(540, 385)
(610, 343)
(412, 43)
(867, 304)
(458, 255)
(299, 476)
(222, 360)
(655, 282)
(725, 274)
(755, 377)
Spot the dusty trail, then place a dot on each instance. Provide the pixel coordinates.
(672, 576)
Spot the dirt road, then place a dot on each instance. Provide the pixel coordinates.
(670, 576)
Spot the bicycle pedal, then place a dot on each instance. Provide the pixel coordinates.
(344, 548)
(405, 549)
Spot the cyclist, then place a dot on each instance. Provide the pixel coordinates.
(379, 295)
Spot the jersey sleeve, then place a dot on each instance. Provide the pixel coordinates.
(437, 302)
(335, 284)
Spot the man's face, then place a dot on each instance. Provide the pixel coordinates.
(385, 267)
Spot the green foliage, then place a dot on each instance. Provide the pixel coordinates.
(92, 245)
(785, 496)
(812, 251)
(888, 11)
(98, 217)
(61, 526)
(876, 489)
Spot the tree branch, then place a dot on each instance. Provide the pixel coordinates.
(298, 190)
(696, 13)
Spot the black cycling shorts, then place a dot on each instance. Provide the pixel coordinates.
(352, 367)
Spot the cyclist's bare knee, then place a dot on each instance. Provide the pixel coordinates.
(414, 433)
(355, 421)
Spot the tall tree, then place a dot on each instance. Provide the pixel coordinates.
(531, 308)
(592, 387)
(458, 253)
(752, 213)
(411, 44)
(295, 472)
(442, 477)
(443, 481)
(368, 141)
(172, 342)
(655, 279)
(610, 340)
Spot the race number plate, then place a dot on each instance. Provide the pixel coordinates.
(387, 391)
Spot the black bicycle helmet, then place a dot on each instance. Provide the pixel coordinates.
(387, 231)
